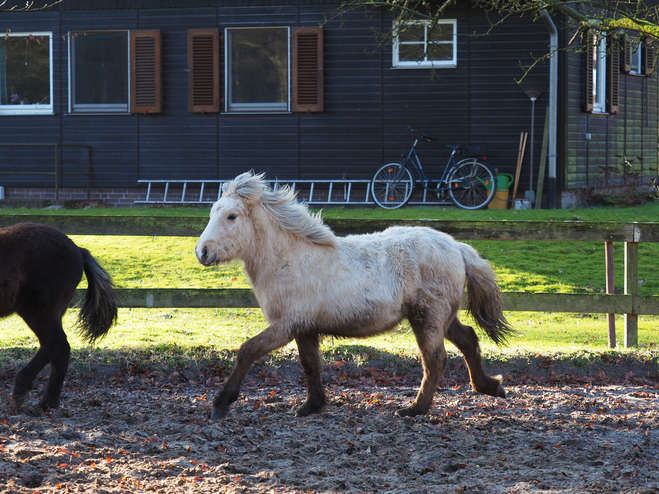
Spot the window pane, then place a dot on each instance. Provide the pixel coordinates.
(25, 70)
(100, 69)
(441, 32)
(440, 51)
(259, 66)
(411, 52)
(636, 58)
(414, 32)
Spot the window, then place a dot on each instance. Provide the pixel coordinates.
(99, 72)
(639, 56)
(636, 58)
(599, 74)
(602, 74)
(422, 44)
(26, 74)
(257, 69)
(272, 69)
(115, 72)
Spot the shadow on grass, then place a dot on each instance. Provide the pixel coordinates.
(188, 363)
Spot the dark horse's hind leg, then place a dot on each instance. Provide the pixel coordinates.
(464, 337)
(54, 350)
(311, 362)
(433, 357)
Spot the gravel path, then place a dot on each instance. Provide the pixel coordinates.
(127, 428)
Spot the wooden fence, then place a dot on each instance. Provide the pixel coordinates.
(628, 303)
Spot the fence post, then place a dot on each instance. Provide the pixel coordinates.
(610, 289)
(631, 288)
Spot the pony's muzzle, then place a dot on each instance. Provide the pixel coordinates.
(205, 258)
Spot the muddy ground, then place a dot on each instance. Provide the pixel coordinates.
(129, 426)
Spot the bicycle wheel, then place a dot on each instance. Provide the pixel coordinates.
(392, 186)
(471, 184)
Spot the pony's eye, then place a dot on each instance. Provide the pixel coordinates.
(232, 216)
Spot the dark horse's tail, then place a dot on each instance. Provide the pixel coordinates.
(484, 296)
(99, 307)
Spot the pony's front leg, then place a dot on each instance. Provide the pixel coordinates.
(253, 349)
(307, 346)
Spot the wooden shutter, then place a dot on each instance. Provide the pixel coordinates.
(203, 70)
(649, 56)
(613, 74)
(626, 65)
(307, 69)
(146, 72)
(590, 54)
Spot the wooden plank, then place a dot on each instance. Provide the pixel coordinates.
(596, 303)
(543, 162)
(182, 298)
(610, 289)
(520, 159)
(150, 226)
(631, 288)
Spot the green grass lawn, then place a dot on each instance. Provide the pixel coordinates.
(169, 262)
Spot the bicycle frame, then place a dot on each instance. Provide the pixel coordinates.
(413, 161)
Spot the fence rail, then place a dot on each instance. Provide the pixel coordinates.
(631, 234)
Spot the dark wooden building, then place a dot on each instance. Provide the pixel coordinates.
(98, 94)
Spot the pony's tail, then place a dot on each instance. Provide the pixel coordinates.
(484, 300)
(99, 307)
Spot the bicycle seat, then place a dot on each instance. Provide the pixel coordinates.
(419, 135)
(454, 146)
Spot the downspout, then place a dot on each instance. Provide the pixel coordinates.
(553, 109)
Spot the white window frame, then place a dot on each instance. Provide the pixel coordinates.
(118, 108)
(34, 109)
(425, 63)
(599, 76)
(254, 107)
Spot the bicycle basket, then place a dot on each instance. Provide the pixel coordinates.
(473, 150)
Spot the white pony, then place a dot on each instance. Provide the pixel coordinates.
(309, 282)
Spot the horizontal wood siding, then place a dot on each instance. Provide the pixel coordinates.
(367, 104)
(628, 136)
(499, 110)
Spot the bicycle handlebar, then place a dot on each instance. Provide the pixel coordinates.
(418, 135)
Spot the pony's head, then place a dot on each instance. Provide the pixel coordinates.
(232, 228)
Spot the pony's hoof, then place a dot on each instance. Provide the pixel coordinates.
(48, 404)
(501, 393)
(219, 412)
(409, 412)
(308, 409)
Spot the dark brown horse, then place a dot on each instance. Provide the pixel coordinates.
(40, 268)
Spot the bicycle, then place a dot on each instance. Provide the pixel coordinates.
(470, 183)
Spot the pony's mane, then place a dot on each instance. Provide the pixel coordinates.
(281, 202)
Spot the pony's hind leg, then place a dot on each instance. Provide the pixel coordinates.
(311, 362)
(464, 337)
(54, 350)
(433, 358)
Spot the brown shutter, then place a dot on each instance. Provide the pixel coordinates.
(590, 54)
(626, 65)
(613, 74)
(146, 72)
(649, 56)
(307, 69)
(203, 70)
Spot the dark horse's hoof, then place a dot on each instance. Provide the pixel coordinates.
(409, 412)
(309, 408)
(219, 412)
